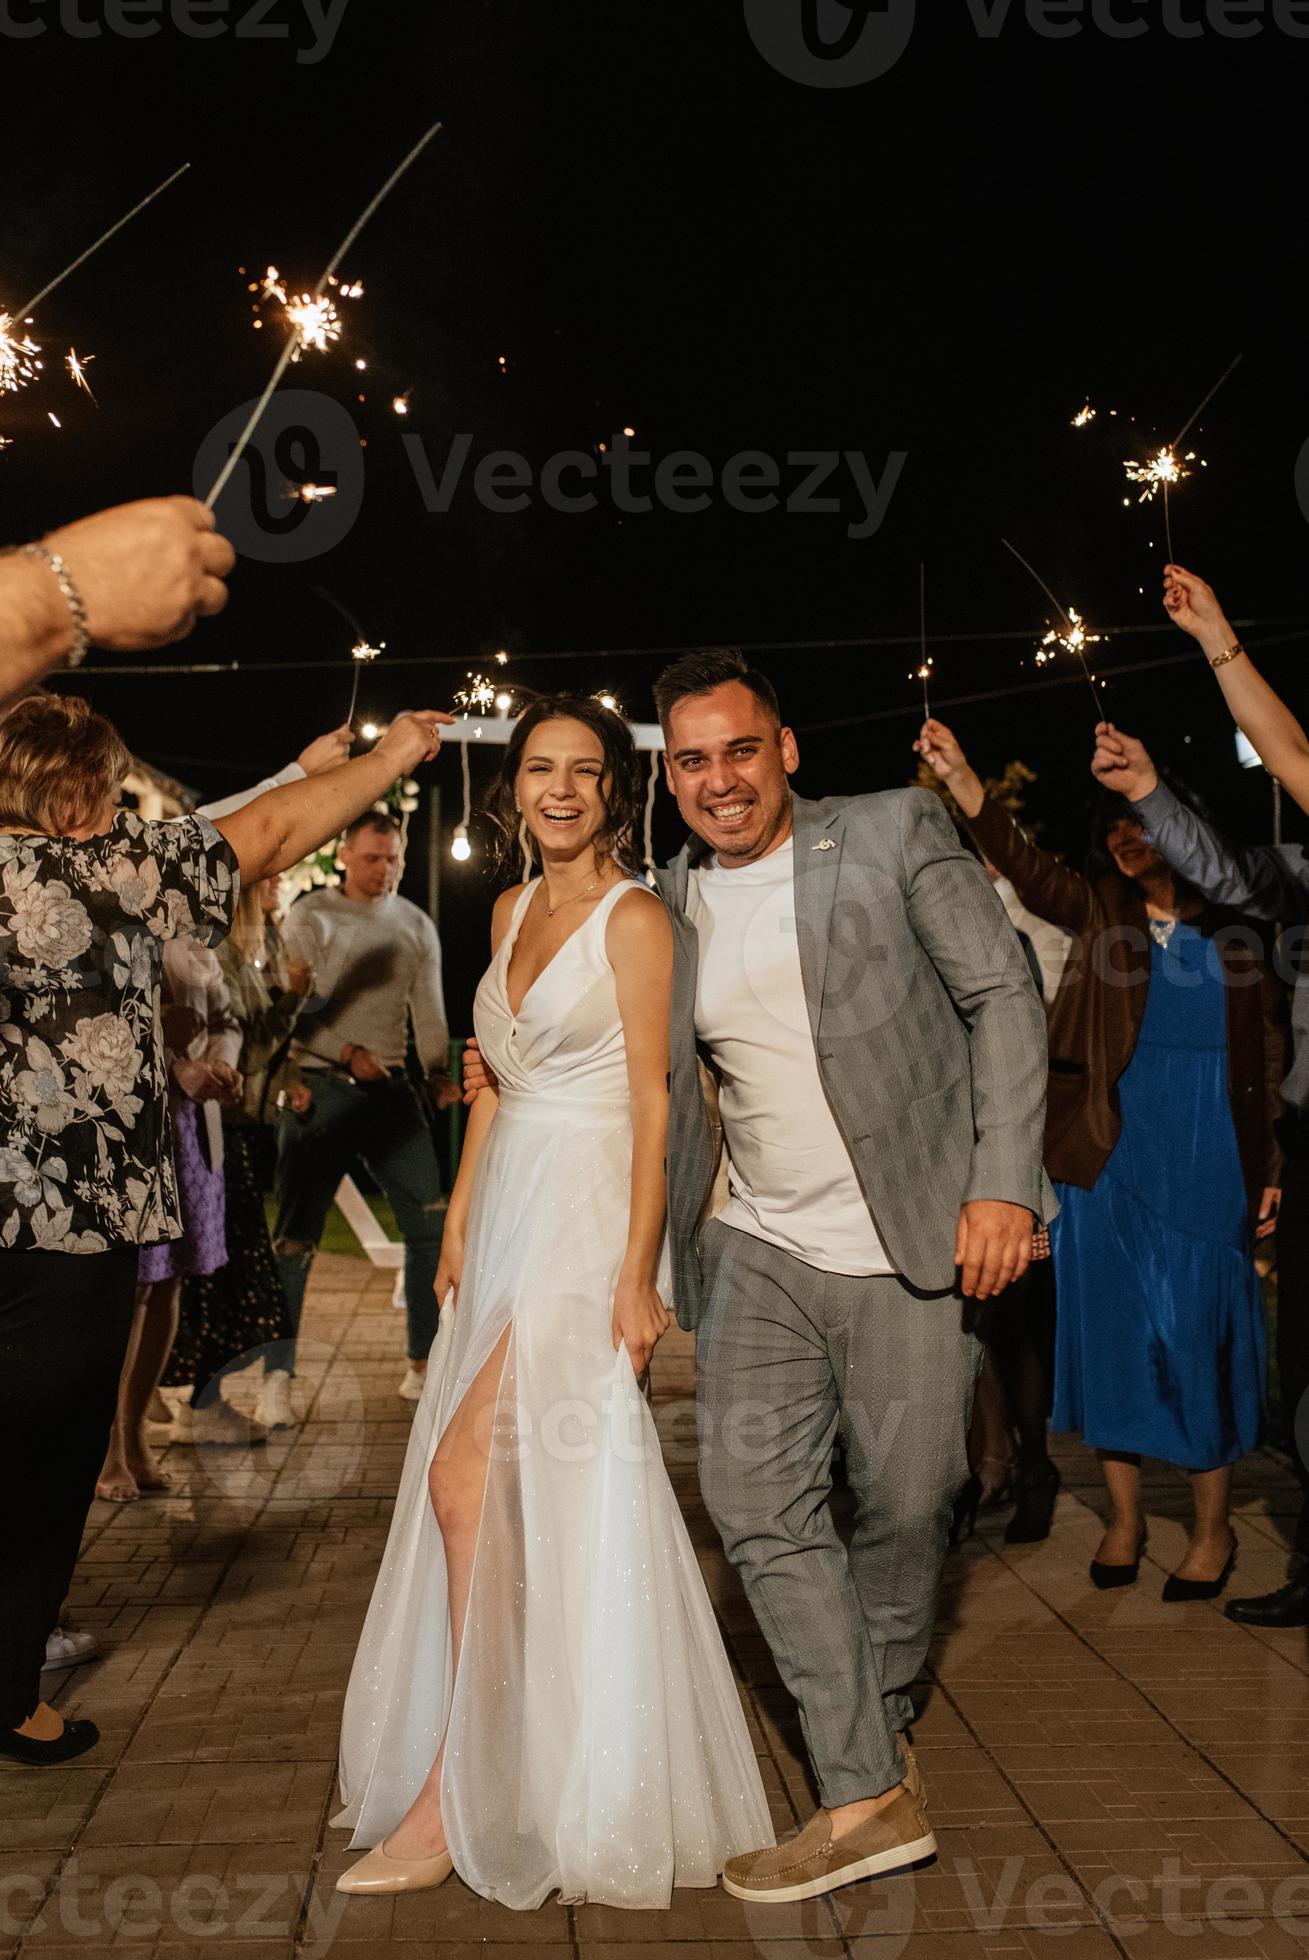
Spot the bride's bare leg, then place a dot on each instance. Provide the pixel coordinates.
(457, 1483)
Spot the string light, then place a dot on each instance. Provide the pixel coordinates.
(460, 849)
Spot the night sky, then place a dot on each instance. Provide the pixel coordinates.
(656, 228)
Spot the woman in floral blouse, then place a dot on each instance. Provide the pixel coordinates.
(88, 895)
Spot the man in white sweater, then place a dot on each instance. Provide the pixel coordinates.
(376, 962)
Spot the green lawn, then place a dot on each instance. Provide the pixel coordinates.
(338, 1237)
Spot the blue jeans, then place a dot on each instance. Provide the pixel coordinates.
(381, 1123)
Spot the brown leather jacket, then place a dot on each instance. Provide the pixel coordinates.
(1096, 1016)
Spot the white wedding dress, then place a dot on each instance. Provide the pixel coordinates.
(595, 1743)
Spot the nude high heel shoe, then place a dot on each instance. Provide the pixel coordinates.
(383, 1875)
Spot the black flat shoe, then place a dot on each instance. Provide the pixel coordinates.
(1107, 1577)
(1287, 1607)
(1034, 1511)
(76, 1739)
(1176, 1589)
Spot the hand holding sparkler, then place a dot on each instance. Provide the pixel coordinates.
(1193, 605)
(940, 750)
(145, 570)
(327, 751)
(1122, 764)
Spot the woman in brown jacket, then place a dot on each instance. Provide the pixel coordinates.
(1169, 1040)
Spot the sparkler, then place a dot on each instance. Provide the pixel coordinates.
(1165, 470)
(924, 670)
(1075, 639)
(362, 655)
(18, 351)
(478, 696)
(293, 342)
(1084, 416)
(310, 493)
(77, 364)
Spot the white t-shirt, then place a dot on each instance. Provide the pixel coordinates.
(791, 1179)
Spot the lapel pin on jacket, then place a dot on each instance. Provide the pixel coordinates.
(827, 844)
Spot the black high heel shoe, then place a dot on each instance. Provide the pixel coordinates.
(1107, 1577)
(1181, 1589)
(1034, 1511)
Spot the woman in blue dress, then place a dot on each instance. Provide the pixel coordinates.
(1169, 1040)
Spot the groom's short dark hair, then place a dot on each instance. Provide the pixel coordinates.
(704, 670)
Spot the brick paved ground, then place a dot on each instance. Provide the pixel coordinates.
(1107, 1774)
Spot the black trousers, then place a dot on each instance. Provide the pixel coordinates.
(1293, 1308)
(65, 1319)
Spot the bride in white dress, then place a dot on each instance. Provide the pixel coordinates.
(541, 1700)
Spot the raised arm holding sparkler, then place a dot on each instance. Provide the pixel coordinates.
(1258, 710)
(128, 579)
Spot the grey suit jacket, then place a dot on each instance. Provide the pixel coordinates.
(929, 1036)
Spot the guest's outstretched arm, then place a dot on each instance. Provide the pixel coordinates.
(1045, 886)
(1257, 708)
(1255, 878)
(281, 827)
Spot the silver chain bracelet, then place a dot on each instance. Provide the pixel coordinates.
(72, 598)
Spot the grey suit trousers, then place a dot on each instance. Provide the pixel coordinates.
(789, 1359)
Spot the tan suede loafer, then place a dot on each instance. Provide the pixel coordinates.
(913, 1776)
(811, 1863)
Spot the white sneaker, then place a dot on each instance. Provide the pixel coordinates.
(65, 1648)
(273, 1408)
(413, 1385)
(219, 1423)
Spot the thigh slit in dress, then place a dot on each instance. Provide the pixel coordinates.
(595, 1743)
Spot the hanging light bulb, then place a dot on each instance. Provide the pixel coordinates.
(461, 848)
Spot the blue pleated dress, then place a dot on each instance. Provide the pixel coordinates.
(1161, 1346)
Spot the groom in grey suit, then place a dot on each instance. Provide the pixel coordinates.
(847, 977)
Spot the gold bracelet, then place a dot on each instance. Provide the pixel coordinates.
(1229, 653)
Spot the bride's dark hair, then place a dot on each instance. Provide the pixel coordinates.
(621, 788)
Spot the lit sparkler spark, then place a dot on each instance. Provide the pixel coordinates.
(292, 347)
(1160, 473)
(18, 351)
(1084, 416)
(310, 493)
(54, 418)
(1075, 640)
(478, 696)
(312, 317)
(400, 404)
(362, 651)
(77, 364)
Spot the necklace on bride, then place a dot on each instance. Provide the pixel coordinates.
(550, 909)
(1162, 930)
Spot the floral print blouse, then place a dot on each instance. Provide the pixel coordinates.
(85, 1147)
